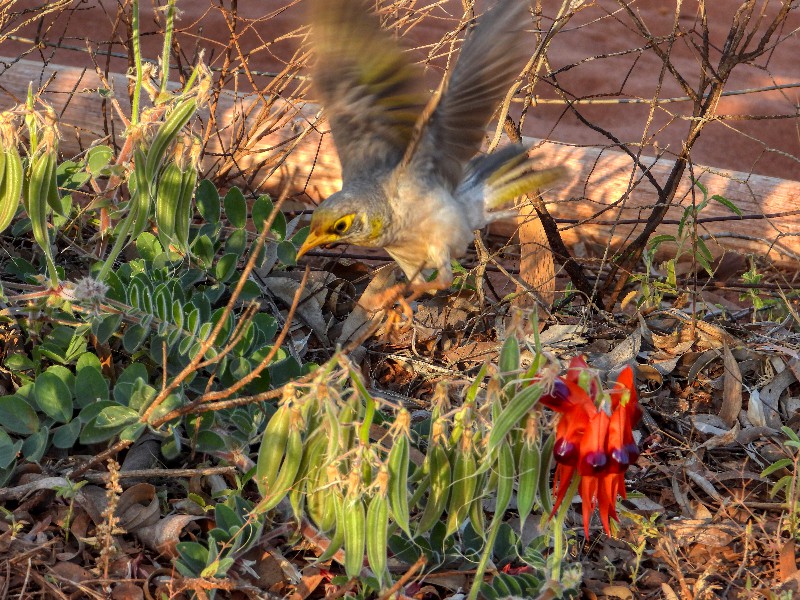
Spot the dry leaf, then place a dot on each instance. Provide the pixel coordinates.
(138, 507)
(755, 410)
(311, 578)
(617, 592)
(127, 590)
(309, 309)
(770, 396)
(732, 388)
(165, 534)
(788, 560)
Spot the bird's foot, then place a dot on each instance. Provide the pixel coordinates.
(402, 295)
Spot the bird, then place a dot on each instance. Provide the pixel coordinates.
(413, 179)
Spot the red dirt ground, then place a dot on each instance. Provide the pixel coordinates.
(768, 147)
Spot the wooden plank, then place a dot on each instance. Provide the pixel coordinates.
(291, 148)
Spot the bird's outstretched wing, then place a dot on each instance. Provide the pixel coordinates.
(492, 56)
(372, 94)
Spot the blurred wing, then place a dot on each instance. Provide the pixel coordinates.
(372, 94)
(491, 59)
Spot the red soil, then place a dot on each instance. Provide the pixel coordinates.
(769, 147)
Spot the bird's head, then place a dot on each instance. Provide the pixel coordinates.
(343, 219)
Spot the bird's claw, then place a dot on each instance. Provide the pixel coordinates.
(402, 295)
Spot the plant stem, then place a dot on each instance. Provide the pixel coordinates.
(494, 529)
(137, 59)
(119, 243)
(168, 29)
(558, 529)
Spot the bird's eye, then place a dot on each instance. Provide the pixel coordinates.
(340, 226)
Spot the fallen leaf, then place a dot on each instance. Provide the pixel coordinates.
(621, 592)
(732, 388)
(127, 590)
(165, 534)
(788, 560)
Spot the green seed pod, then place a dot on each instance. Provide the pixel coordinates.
(273, 447)
(398, 482)
(168, 199)
(337, 540)
(355, 535)
(378, 529)
(505, 478)
(166, 134)
(36, 199)
(512, 414)
(10, 186)
(462, 492)
(290, 466)
(313, 456)
(440, 481)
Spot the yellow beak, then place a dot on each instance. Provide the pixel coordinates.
(315, 239)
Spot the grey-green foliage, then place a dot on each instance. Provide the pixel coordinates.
(158, 308)
(235, 531)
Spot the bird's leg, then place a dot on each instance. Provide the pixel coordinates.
(403, 294)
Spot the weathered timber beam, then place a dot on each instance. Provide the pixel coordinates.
(290, 147)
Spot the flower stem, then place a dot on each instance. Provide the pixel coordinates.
(488, 547)
(559, 544)
(137, 59)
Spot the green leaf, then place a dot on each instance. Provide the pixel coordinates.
(141, 396)
(17, 416)
(509, 355)
(700, 186)
(262, 209)
(133, 372)
(66, 435)
(88, 360)
(250, 291)
(193, 555)
(236, 242)
(104, 328)
(236, 208)
(148, 246)
(64, 375)
(226, 267)
(53, 397)
(18, 362)
(8, 449)
(209, 441)
(207, 200)
(279, 226)
(657, 240)
(90, 386)
(203, 250)
(35, 446)
(171, 448)
(132, 432)
(287, 253)
(169, 404)
(116, 417)
(97, 159)
(134, 337)
(64, 344)
(783, 463)
(90, 411)
(266, 325)
(301, 235)
(727, 203)
(116, 289)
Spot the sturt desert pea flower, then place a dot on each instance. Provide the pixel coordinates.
(594, 438)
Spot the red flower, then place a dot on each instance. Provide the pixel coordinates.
(593, 442)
